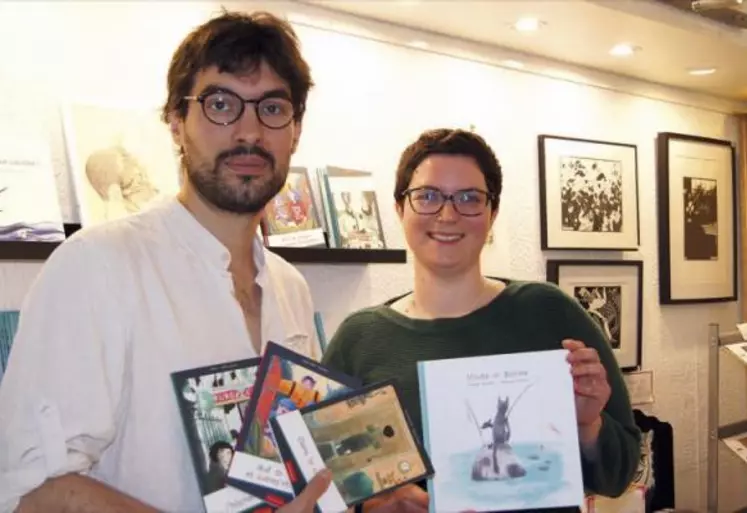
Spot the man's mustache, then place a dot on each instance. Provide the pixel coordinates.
(247, 150)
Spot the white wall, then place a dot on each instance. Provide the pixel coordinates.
(372, 98)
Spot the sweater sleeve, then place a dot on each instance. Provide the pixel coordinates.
(337, 354)
(618, 446)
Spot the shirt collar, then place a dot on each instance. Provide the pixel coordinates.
(200, 242)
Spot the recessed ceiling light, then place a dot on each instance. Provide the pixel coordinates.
(513, 64)
(418, 44)
(528, 25)
(702, 71)
(624, 50)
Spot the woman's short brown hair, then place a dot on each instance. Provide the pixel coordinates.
(447, 141)
(238, 43)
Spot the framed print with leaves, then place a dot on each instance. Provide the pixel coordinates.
(588, 194)
(697, 219)
(611, 292)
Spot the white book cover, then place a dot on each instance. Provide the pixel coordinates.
(122, 159)
(29, 205)
(501, 432)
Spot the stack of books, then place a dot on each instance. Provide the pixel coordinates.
(499, 433)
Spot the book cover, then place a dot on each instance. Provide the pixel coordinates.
(291, 219)
(29, 206)
(352, 208)
(501, 432)
(286, 381)
(212, 402)
(365, 438)
(121, 159)
(8, 327)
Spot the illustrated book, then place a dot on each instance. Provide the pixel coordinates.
(29, 206)
(501, 432)
(212, 401)
(286, 381)
(351, 208)
(365, 438)
(291, 218)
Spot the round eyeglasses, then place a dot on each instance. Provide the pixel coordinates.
(430, 201)
(225, 107)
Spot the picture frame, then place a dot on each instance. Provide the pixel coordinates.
(611, 292)
(588, 194)
(697, 219)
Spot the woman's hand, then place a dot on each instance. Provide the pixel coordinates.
(406, 499)
(592, 390)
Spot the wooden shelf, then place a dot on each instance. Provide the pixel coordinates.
(40, 251)
(341, 256)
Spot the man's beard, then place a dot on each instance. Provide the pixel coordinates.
(248, 197)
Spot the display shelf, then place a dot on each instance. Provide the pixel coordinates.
(36, 251)
(718, 433)
(341, 256)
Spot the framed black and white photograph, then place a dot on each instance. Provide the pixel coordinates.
(588, 194)
(697, 219)
(611, 292)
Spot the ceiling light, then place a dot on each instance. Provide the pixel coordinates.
(702, 71)
(528, 25)
(418, 44)
(624, 50)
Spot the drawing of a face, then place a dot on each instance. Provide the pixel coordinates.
(224, 458)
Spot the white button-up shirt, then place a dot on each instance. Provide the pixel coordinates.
(115, 310)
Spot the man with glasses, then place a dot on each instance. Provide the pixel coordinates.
(89, 417)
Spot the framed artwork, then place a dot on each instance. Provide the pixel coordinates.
(697, 219)
(611, 292)
(588, 194)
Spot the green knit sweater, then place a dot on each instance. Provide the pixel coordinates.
(378, 343)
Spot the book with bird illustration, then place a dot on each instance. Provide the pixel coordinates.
(501, 432)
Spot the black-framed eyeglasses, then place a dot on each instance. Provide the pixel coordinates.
(224, 107)
(430, 200)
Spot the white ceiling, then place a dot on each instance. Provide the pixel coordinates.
(581, 32)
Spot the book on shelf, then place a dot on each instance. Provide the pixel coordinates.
(212, 401)
(501, 432)
(8, 327)
(286, 381)
(364, 437)
(291, 218)
(351, 208)
(29, 207)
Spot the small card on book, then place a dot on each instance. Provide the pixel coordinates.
(365, 438)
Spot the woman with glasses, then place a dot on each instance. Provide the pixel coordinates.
(447, 196)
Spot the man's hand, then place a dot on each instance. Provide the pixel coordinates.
(406, 499)
(307, 499)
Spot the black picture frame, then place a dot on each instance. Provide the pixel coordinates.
(594, 280)
(697, 228)
(561, 226)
